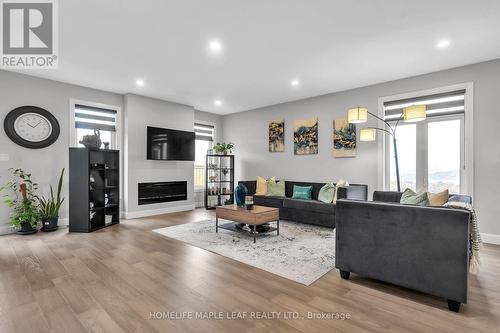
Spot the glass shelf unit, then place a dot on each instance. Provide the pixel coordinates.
(219, 180)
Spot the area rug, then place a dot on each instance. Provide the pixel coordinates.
(302, 253)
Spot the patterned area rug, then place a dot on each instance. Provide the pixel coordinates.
(302, 253)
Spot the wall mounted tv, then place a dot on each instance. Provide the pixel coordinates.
(170, 145)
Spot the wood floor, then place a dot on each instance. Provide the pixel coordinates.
(113, 279)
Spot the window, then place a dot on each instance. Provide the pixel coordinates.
(88, 118)
(407, 150)
(204, 139)
(431, 152)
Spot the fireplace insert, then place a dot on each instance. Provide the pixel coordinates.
(157, 192)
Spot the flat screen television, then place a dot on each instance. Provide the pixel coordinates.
(170, 145)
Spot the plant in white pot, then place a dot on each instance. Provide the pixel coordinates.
(20, 194)
(49, 207)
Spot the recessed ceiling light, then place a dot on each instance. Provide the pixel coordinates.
(218, 102)
(139, 82)
(442, 44)
(215, 46)
(295, 83)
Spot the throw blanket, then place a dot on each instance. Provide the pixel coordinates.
(475, 237)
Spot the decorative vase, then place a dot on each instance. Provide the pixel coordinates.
(249, 202)
(240, 193)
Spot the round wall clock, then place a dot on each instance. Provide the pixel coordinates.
(31, 127)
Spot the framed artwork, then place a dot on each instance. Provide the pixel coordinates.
(277, 135)
(305, 136)
(344, 138)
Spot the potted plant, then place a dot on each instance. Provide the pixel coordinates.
(49, 207)
(25, 215)
(223, 148)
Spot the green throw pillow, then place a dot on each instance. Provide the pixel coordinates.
(302, 192)
(275, 189)
(327, 192)
(409, 197)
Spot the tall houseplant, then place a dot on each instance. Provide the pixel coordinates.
(49, 206)
(20, 194)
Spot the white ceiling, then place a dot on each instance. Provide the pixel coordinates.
(328, 45)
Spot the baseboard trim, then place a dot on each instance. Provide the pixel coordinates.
(490, 238)
(153, 212)
(5, 229)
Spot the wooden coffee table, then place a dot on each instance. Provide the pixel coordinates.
(258, 215)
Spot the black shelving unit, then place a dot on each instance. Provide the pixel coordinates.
(219, 180)
(94, 189)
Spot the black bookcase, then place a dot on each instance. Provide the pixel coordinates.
(219, 180)
(94, 189)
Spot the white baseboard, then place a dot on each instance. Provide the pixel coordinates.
(5, 229)
(152, 212)
(490, 238)
(63, 222)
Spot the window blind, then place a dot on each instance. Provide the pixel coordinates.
(204, 132)
(448, 103)
(95, 118)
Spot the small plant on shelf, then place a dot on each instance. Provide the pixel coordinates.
(223, 148)
(19, 193)
(49, 206)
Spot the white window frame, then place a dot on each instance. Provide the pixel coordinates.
(467, 137)
(116, 140)
(208, 123)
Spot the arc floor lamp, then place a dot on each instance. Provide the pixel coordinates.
(412, 113)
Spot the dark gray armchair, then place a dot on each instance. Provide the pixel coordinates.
(421, 248)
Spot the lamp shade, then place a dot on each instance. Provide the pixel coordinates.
(357, 115)
(415, 113)
(368, 134)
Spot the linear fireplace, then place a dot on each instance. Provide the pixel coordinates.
(150, 193)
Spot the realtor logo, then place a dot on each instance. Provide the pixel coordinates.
(29, 34)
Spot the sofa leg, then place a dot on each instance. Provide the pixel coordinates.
(344, 274)
(453, 305)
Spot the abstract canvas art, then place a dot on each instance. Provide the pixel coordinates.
(344, 138)
(305, 136)
(277, 135)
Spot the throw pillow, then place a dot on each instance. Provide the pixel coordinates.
(275, 189)
(327, 192)
(302, 192)
(340, 183)
(438, 199)
(409, 197)
(261, 188)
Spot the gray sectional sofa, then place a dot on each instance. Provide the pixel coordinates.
(307, 211)
(421, 248)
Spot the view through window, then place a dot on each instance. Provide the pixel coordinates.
(204, 140)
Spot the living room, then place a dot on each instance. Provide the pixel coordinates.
(255, 166)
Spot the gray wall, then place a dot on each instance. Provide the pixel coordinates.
(248, 130)
(141, 112)
(45, 164)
